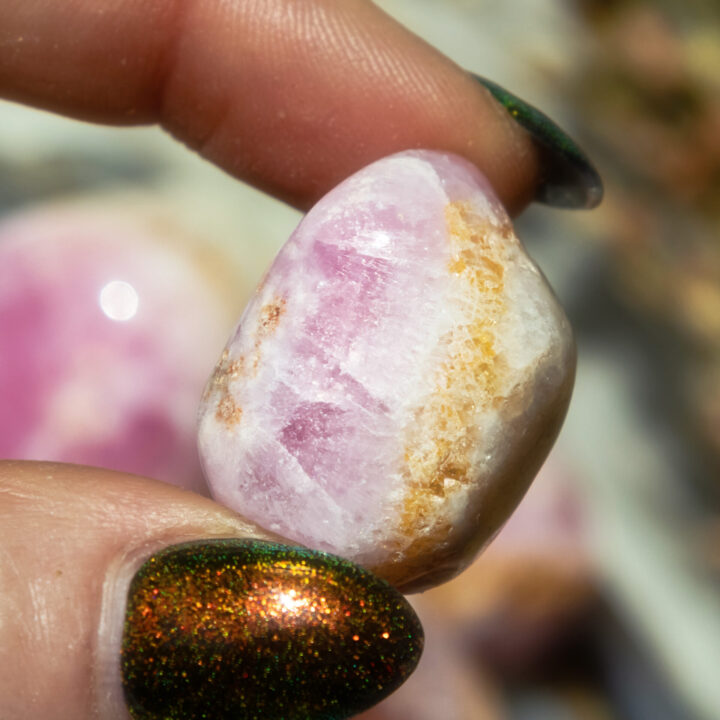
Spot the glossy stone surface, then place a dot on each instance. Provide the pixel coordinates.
(398, 377)
(107, 326)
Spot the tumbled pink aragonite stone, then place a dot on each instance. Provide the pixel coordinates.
(398, 377)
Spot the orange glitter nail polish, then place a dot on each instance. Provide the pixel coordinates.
(246, 630)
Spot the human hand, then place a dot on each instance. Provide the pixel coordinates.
(279, 94)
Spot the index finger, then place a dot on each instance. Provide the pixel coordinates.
(289, 95)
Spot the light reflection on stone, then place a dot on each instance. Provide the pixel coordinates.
(107, 332)
(119, 300)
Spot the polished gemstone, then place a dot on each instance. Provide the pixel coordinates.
(398, 377)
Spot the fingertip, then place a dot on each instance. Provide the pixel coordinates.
(292, 97)
(61, 527)
(230, 628)
(139, 592)
(344, 86)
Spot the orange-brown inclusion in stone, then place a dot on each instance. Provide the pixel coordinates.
(268, 321)
(227, 371)
(440, 441)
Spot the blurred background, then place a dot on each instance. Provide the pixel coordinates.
(125, 260)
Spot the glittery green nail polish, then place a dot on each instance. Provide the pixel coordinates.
(569, 179)
(246, 629)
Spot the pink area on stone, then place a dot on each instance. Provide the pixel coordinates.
(359, 263)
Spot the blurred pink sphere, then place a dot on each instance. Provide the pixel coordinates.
(107, 335)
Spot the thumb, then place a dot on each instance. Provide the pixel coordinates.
(104, 615)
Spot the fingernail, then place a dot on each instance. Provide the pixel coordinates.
(247, 629)
(568, 179)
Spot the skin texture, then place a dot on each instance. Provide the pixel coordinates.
(63, 530)
(289, 95)
(277, 92)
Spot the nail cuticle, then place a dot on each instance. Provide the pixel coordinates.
(568, 178)
(108, 694)
(109, 698)
(252, 629)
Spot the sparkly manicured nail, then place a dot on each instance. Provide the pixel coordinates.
(569, 179)
(244, 629)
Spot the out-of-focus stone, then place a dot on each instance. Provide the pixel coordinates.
(447, 683)
(397, 379)
(107, 323)
(522, 610)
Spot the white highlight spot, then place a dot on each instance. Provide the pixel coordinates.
(288, 602)
(119, 300)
